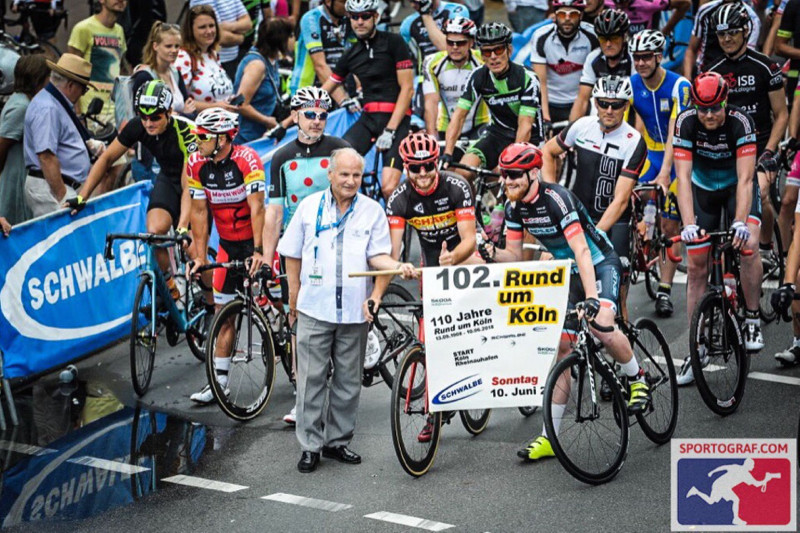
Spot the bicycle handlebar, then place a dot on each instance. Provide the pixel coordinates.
(149, 238)
(476, 170)
(578, 312)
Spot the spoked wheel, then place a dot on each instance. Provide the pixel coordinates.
(252, 365)
(197, 333)
(282, 340)
(652, 275)
(719, 359)
(143, 452)
(143, 336)
(528, 410)
(415, 449)
(590, 437)
(652, 353)
(392, 338)
(475, 420)
(774, 267)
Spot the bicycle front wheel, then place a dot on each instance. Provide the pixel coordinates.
(719, 359)
(143, 339)
(394, 337)
(242, 332)
(590, 437)
(415, 431)
(475, 420)
(774, 267)
(652, 353)
(528, 410)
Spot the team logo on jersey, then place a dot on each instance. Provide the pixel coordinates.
(419, 209)
(685, 98)
(664, 104)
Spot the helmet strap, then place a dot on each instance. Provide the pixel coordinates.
(533, 188)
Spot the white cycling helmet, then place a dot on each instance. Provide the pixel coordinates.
(460, 26)
(361, 6)
(311, 97)
(217, 121)
(648, 41)
(613, 87)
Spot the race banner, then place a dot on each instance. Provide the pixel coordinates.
(59, 297)
(492, 332)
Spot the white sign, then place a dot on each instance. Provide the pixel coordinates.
(492, 332)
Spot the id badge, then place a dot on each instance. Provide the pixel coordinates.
(316, 276)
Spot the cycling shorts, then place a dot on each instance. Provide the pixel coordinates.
(166, 194)
(708, 206)
(489, 147)
(559, 113)
(227, 283)
(608, 276)
(370, 126)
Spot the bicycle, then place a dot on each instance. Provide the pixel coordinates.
(607, 424)
(481, 186)
(646, 250)
(154, 309)
(27, 42)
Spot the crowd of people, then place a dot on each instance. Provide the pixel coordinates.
(442, 92)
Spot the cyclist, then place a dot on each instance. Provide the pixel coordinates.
(557, 218)
(610, 155)
(324, 36)
(228, 181)
(171, 141)
(659, 95)
(644, 14)
(558, 53)
(445, 79)
(383, 64)
(512, 95)
(783, 298)
(612, 58)
(715, 159)
(592, 11)
(422, 29)
(755, 84)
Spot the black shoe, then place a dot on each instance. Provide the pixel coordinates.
(308, 462)
(663, 305)
(605, 391)
(341, 454)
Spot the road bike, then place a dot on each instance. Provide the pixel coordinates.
(26, 42)
(154, 308)
(646, 249)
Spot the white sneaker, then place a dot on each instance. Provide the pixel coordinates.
(790, 356)
(205, 396)
(753, 339)
(291, 418)
(373, 352)
(686, 374)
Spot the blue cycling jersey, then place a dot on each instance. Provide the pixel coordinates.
(656, 108)
(318, 33)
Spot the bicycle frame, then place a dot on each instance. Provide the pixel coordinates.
(410, 336)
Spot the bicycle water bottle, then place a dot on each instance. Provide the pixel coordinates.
(730, 286)
(496, 222)
(649, 219)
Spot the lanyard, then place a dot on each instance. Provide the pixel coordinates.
(333, 225)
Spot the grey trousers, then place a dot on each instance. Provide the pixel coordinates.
(318, 343)
(40, 198)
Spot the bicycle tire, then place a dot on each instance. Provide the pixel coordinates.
(653, 355)
(566, 443)
(652, 276)
(143, 339)
(282, 341)
(143, 481)
(49, 50)
(415, 457)
(242, 400)
(475, 420)
(772, 276)
(389, 341)
(721, 391)
(528, 410)
(195, 336)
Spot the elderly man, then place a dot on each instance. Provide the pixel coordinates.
(333, 233)
(56, 143)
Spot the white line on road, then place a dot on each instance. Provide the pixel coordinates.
(323, 505)
(411, 521)
(788, 380)
(28, 449)
(199, 482)
(105, 464)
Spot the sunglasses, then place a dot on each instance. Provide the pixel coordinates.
(616, 39)
(512, 174)
(204, 137)
(361, 16)
(496, 51)
(563, 14)
(418, 168)
(313, 115)
(154, 117)
(644, 57)
(168, 26)
(704, 110)
(616, 105)
(457, 44)
(729, 33)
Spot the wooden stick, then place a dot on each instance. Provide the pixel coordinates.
(373, 273)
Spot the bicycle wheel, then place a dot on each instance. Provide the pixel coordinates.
(475, 420)
(528, 410)
(144, 430)
(143, 336)
(590, 439)
(774, 268)
(653, 355)
(652, 274)
(722, 379)
(394, 338)
(252, 367)
(49, 50)
(410, 415)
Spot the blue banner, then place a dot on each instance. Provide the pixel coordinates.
(59, 298)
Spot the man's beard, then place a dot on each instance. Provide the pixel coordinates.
(517, 194)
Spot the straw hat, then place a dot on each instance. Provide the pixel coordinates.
(73, 67)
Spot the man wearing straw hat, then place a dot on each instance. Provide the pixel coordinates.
(56, 143)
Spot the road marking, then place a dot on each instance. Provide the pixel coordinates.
(410, 521)
(191, 481)
(681, 277)
(323, 505)
(788, 380)
(28, 449)
(105, 464)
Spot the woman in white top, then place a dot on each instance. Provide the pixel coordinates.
(198, 63)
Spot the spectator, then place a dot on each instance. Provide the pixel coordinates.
(199, 64)
(522, 14)
(476, 10)
(234, 24)
(330, 307)
(257, 78)
(54, 140)
(160, 52)
(45, 15)
(142, 14)
(259, 10)
(30, 76)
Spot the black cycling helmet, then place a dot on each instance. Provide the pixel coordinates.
(732, 16)
(153, 97)
(493, 33)
(611, 22)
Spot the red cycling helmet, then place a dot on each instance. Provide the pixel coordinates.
(708, 89)
(575, 4)
(520, 156)
(419, 147)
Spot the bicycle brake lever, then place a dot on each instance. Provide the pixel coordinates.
(108, 253)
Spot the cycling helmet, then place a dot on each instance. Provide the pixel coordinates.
(311, 97)
(153, 97)
(731, 16)
(611, 22)
(613, 87)
(461, 26)
(574, 4)
(708, 89)
(419, 147)
(216, 120)
(493, 33)
(520, 156)
(361, 6)
(648, 41)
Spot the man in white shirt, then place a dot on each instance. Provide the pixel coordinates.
(333, 233)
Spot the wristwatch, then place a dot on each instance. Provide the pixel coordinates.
(258, 249)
